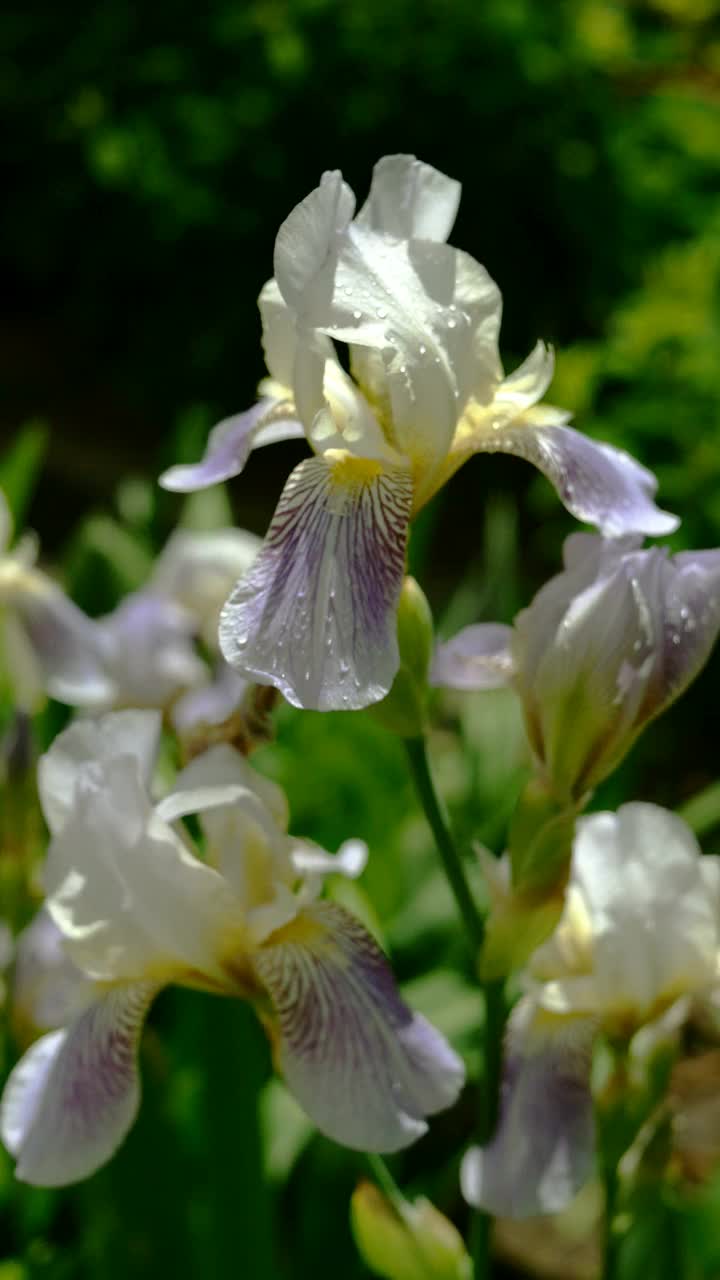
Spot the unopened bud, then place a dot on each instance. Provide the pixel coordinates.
(407, 1241)
(404, 709)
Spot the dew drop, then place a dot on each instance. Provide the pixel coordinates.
(452, 324)
(423, 349)
(357, 315)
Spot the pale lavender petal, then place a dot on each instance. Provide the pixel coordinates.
(151, 656)
(542, 1151)
(68, 645)
(597, 483)
(477, 657)
(211, 704)
(366, 1068)
(230, 443)
(71, 1100)
(316, 614)
(688, 614)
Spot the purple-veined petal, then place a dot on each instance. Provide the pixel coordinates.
(410, 200)
(365, 1068)
(596, 482)
(72, 1098)
(316, 614)
(478, 657)
(94, 742)
(229, 445)
(542, 1151)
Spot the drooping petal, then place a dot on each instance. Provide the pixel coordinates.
(87, 743)
(596, 482)
(410, 200)
(315, 616)
(365, 1068)
(478, 657)
(71, 1100)
(542, 1151)
(229, 445)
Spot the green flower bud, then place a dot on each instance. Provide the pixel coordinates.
(404, 710)
(407, 1241)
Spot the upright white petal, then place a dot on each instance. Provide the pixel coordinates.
(129, 897)
(410, 200)
(655, 925)
(91, 744)
(307, 241)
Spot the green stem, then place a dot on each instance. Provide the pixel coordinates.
(494, 992)
(452, 863)
(610, 1239)
(386, 1182)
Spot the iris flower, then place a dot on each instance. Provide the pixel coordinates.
(316, 614)
(638, 942)
(138, 909)
(604, 647)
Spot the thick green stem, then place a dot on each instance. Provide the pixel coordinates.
(494, 992)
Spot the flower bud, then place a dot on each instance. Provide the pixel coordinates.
(404, 709)
(603, 648)
(407, 1241)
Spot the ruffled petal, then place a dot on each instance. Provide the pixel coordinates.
(410, 200)
(129, 897)
(135, 734)
(315, 616)
(350, 859)
(365, 1068)
(477, 657)
(71, 1100)
(542, 1151)
(654, 924)
(596, 482)
(229, 445)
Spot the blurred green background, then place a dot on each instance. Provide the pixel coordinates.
(148, 156)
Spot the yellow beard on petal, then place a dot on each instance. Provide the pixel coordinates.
(347, 470)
